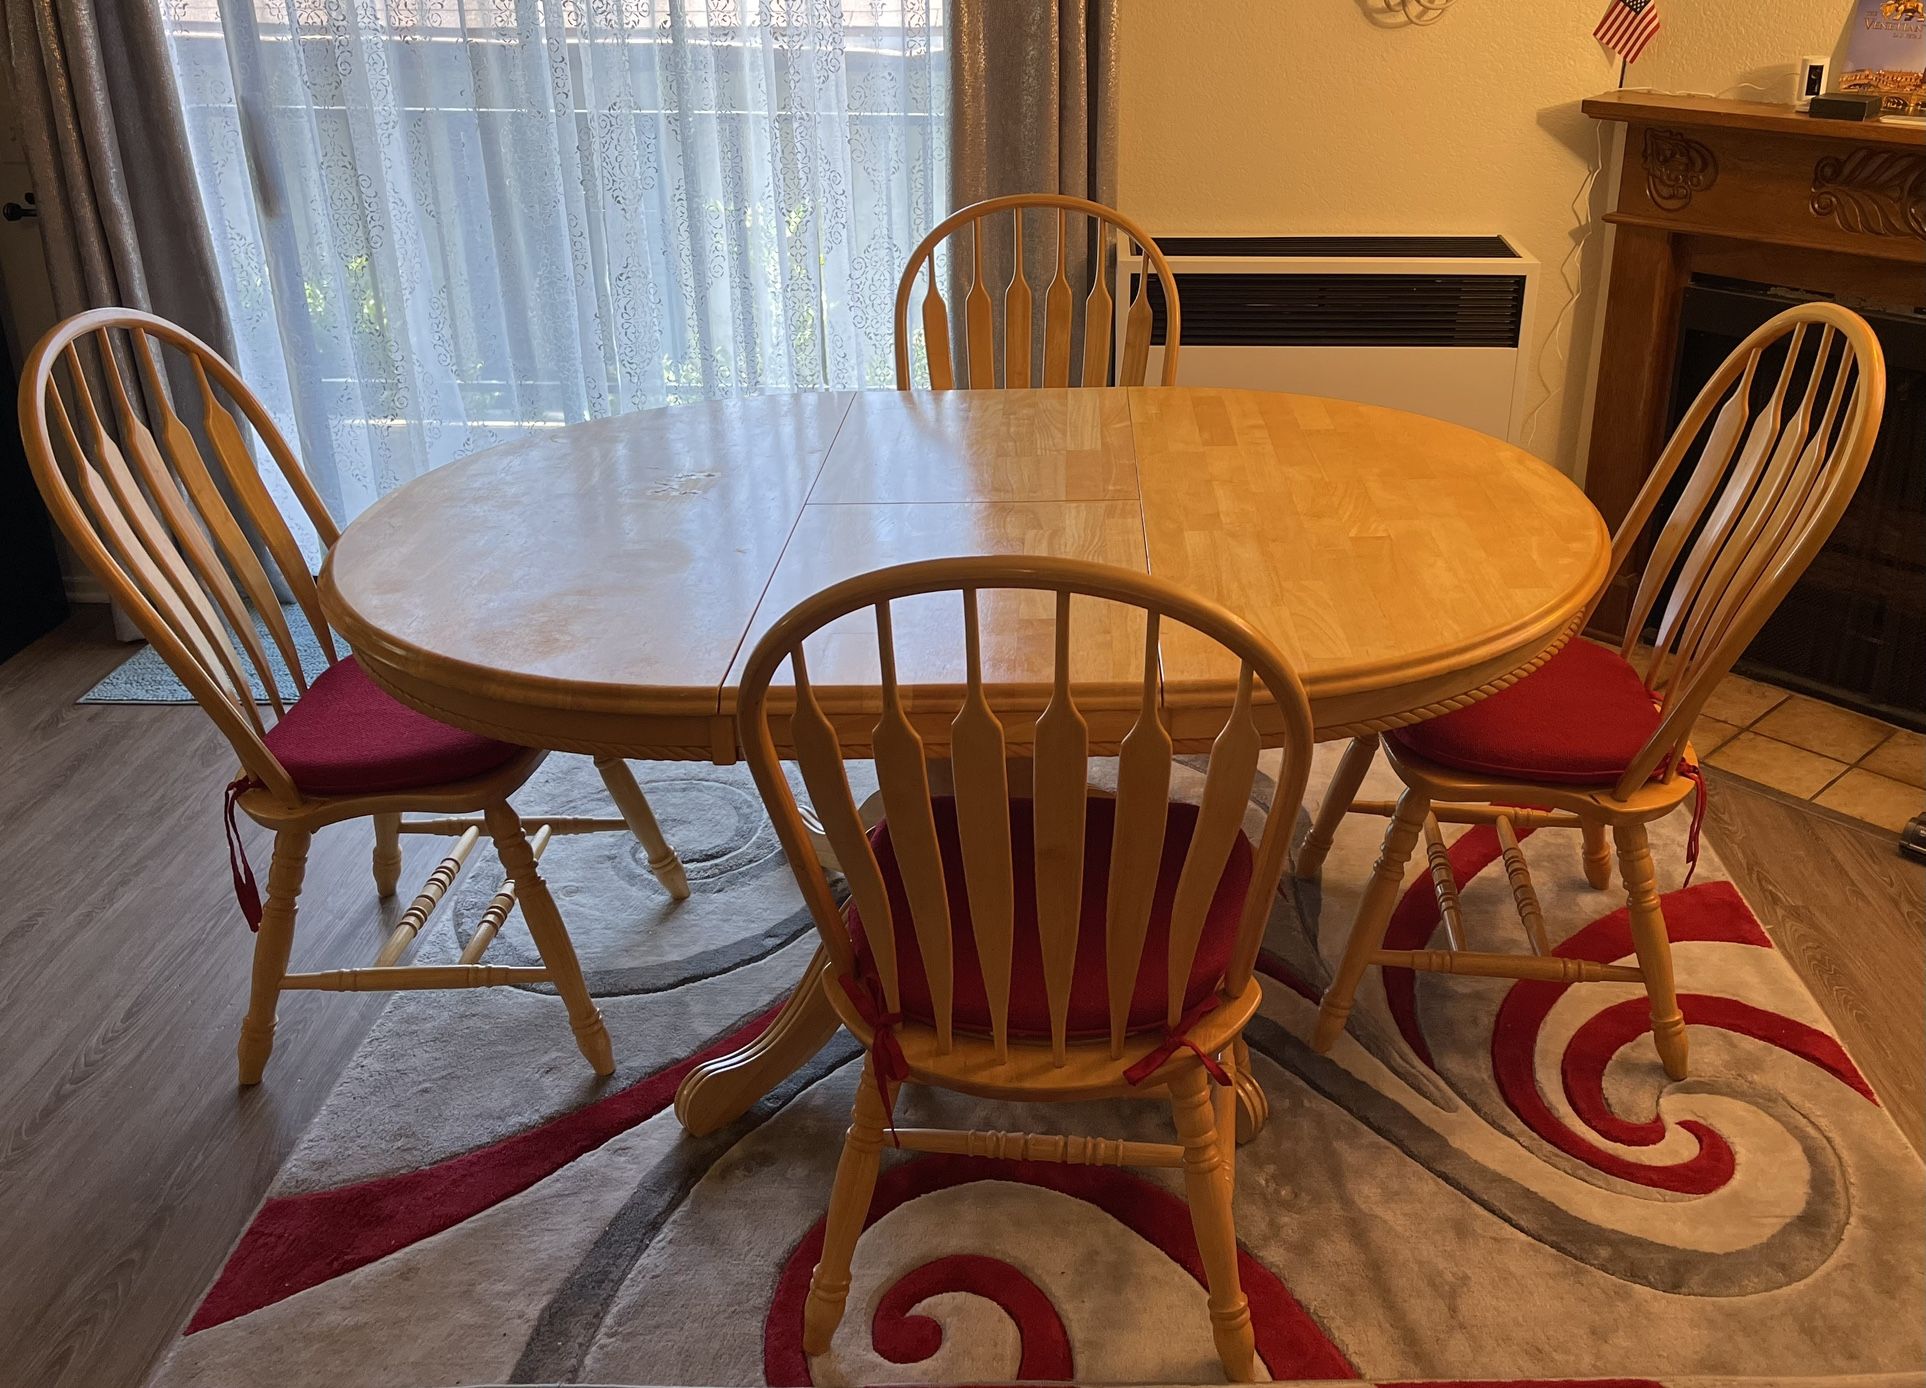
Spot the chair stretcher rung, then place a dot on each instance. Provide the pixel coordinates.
(1478, 814)
(1522, 892)
(1443, 885)
(556, 824)
(427, 899)
(1549, 967)
(1056, 1147)
(388, 979)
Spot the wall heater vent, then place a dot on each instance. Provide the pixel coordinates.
(1439, 325)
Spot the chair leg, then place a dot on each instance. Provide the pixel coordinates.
(634, 805)
(848, 1208)
(1253, 1104)
(1373, 919)
(1351, 769)
(545, 927)
(1598, 857)
(1224, 1111)
(1654, 947)
(387, 854)
(1207, 1187)
(271, 946)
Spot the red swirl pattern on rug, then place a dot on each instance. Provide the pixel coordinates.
(301, 1241)
(903, 1337)
(1291, 1343)
(1710, 912)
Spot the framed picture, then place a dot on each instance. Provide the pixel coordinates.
(1885, 52)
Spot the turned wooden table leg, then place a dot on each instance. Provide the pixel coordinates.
(719, 1091)
(634, 805)
(1352, 768)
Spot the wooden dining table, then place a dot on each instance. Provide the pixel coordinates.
(597, 588)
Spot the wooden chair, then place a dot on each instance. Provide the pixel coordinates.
(1782, 433)
(1019, 371)
(1065, 946)
(193, 552)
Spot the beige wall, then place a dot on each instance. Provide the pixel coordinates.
(1305, 116)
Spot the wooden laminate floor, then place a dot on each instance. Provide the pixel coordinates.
(129, 1162)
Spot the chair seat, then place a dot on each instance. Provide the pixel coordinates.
(1579, 719)
(347, 736)
(1089, 1011)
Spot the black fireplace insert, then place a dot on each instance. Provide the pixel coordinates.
(1853, 630)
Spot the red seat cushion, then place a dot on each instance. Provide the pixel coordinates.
(1579, 719)
(1089, 1013)
(345, 736)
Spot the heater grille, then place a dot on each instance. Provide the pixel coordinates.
(1245, 309)
(1345, 247)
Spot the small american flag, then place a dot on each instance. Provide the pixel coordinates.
(1628, 26)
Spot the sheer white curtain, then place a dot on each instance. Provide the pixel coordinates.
(441, 223)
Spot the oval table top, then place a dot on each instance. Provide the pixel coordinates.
(598, 588)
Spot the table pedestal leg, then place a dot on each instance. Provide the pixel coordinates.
(719, 1091)
(1253, 1105)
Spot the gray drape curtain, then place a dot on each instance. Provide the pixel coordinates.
(1033, 98)
(1033, 109)
(120, 213)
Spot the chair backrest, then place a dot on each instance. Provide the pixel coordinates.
(1782, 433)
(979, 755)
(1077, 216)
(190, 551)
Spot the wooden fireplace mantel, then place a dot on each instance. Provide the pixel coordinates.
(1749, 191)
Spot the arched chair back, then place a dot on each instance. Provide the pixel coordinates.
(916, 725)
(1077, 217)
(191, 548)
(1781, 435)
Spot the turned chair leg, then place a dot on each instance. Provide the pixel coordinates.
(1654, 947)
(387, 854)
(545, 926)
(848, 1208)
(1350, 773)
(1207, 1187)
(1224, 1112)
(1598, 856)
(634, 805)
(1373, 918)
(271, 946)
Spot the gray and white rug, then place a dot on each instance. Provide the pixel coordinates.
(1485, 1179)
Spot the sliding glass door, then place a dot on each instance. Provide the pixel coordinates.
(442, 223)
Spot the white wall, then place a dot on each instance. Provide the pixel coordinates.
(1306, 116)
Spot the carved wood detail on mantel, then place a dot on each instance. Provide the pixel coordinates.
(1741, 190)
(1879, 192)
(1676, 166)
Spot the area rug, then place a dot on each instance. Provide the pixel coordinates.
(1485, 1180)
(143, 678)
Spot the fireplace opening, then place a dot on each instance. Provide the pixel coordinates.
(1853, 629)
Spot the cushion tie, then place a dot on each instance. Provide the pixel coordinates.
(888, 1064)
(1178, 1038)
(245, 890)
(1697, 777)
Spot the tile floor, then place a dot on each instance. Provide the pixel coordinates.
(1811, 750)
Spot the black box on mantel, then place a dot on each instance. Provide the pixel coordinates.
(1845, 106)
